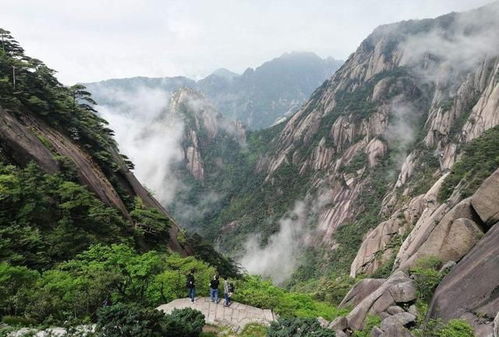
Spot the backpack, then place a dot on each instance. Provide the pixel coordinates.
(231, 288)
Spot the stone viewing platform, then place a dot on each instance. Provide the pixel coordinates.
(236, 316)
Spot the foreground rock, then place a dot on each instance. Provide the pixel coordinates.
(237, 316)
(470, 290)
(378, 300)
(360, 291)
(395, 326)
(485, 201)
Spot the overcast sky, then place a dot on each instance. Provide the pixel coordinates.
(99, 39)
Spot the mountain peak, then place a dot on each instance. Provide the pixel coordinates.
(225, 73)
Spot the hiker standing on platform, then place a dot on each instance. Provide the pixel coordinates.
(214, 283)
(191, 285)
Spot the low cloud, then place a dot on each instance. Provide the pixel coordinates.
(150, 141)
(401, 132)
(454, 46)
(281, 256)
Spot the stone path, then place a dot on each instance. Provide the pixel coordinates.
(236, 316)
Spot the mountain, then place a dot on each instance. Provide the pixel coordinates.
(225, 73)
(49, 129)
(258, 98)
(78, 232)
(209, 167)
(382, 167)
(378, 197)
(263, 96)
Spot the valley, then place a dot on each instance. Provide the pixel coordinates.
(350, 199)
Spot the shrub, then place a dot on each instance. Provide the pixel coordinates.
(427, 276)
(331, 289)
(130, 321)
(298, 327)
(127, 321)
(479, 160)
(101, 275)
(257, 292)
(14, 285)
(184, 323)
(456, 328)
(437, 328)
(254, 330)
(170, 283)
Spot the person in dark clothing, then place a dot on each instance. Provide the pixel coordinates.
(191, 285)
(228, 292)
(214, 283)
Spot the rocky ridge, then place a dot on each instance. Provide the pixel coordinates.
(26, 138)
(378, 141)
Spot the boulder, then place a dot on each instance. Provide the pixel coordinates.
(382, 303)
(376, 248)
(404, 292)
(373, 252)
(395, 309)
(485, 201)
(396, 330)
(413, 310)
(340, 333)
(418, 235)
(447, 267)
(470, 290)
(394, 326)
(340, 323)
(449, 238)
(360, 291)
(403, 318)
(380, 299)
(376, 332)
(323, 322)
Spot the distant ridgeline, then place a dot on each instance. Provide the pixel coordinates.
(258, 98)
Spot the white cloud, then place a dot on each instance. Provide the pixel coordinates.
(94, 40)
(457, 49)
(153, 144)
(280, 257)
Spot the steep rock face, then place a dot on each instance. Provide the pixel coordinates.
(32, 128)
(22, 146)
(376, 250)
(376, 142)
(469, 291)
(203, 127)
(429, 232)
(370, 108)
(25, 138)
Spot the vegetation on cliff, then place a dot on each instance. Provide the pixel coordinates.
(479, 160)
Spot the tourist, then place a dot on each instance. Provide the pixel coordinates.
(191, 285)
(214, 283)
(228, 292)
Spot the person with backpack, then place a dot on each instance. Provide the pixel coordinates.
(228, 292)
(214, 283)
(191, 285)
